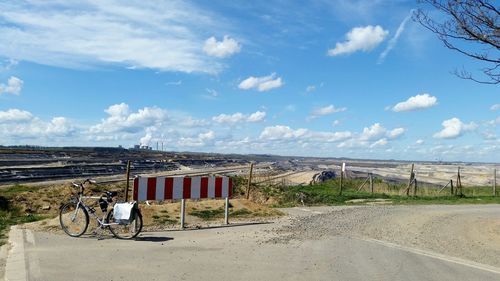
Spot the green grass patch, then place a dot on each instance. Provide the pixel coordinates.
(208, 214)
(328, 193)
(13, 216)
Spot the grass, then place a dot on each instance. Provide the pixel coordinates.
(11, 214)
(214, 214)
(328, 194)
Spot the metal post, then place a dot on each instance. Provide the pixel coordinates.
(371, 182)
(341, 178)
(226, 212)
(183, 212)
(127, 180)
(249, 180)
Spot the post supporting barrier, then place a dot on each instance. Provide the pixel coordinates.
(226, 211)
(183, 212)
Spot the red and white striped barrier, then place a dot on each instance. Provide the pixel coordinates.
(171, 188)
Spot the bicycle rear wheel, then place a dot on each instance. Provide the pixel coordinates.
(125, 231)
(74, 221)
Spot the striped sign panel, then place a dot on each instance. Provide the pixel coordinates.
(171, 188)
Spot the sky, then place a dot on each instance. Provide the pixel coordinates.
(339, 78)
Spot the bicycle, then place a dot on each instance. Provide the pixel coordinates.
(74, 215)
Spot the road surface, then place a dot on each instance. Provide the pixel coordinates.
(238, 252)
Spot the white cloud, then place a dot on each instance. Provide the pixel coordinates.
(417, 102)
(396, 133)
(121, 120)
(454, 128)
(494, 122)
(281, 132)
(201, 140)
(239, 117)
(285, 133)
(380, 142)
(262, 84)
(16, 125)
(210, 95)
(360, 39)
(163, 35)
(256, 116)
(419, 142)
(375, 131)
(15, 115)
(174, 83)
(336, 123)
(13, 86)
(230, 119)
(9, 63)
(327, 110)
(310, 88)
(392, 43)
(495, 107)
(221, 49)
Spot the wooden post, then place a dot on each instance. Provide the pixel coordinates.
(458, 183)
(249, 180)
(451, 187)
(411, 179)
(415, 187)
(127, 180)
(371, 182)
(494, 182)
(226, 211)
(183, 212)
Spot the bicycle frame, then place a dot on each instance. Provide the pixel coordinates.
(91, 210)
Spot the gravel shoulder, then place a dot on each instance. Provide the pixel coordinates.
(470, 232)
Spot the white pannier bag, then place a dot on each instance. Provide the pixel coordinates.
(123, 213)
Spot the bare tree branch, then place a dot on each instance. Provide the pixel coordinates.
(472, 28)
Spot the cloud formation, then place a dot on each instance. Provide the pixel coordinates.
(120, 119)
(454, 128)
(417, 102)
(14, 86)
(360, 39)
(162, 35)
(221, 49)
(262, 84)
(239, 117)
(327, 110)
(394, 40)
(495, 107)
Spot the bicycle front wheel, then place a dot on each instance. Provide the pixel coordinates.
(125, 231)
(74, 219)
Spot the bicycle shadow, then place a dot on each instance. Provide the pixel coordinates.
(153, 239)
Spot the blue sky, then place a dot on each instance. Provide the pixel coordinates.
(338, 78)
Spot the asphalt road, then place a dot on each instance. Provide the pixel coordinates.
(240, 252)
